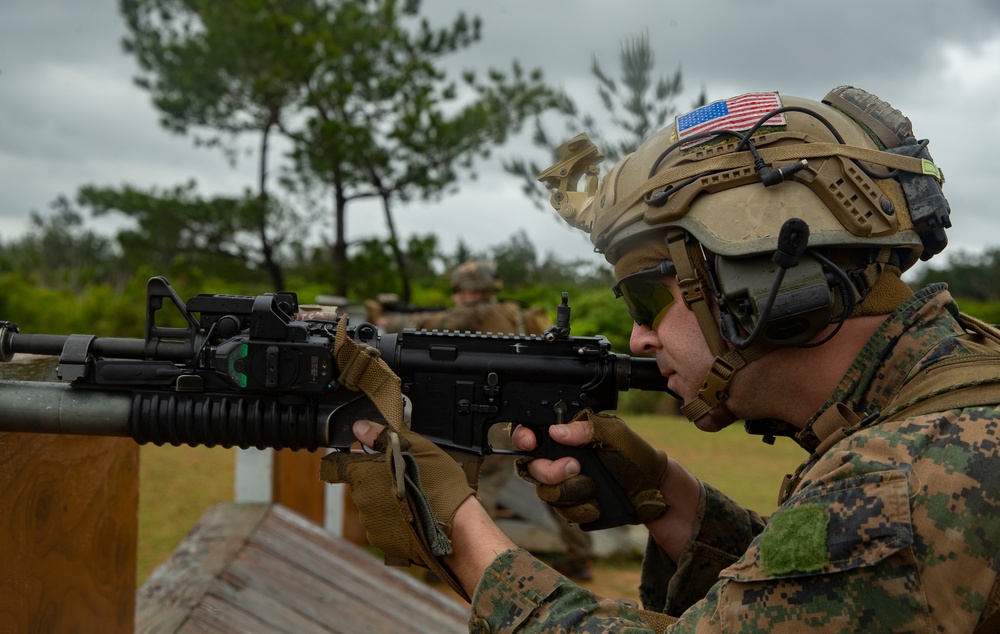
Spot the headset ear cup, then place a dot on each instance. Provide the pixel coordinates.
(804, 306)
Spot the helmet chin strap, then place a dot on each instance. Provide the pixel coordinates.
(715, 389)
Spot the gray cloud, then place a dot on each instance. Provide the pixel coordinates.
(70, 115)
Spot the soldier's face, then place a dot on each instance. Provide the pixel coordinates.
(466, 297)
(681, 351)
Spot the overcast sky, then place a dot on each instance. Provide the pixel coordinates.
(70, 114)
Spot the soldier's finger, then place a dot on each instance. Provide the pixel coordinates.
(553, 471)
(523, 439)
(366, 431)
(573, 434)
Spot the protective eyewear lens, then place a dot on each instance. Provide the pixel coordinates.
(646, 296)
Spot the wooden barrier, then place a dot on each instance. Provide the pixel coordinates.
(295, 483)
(68, 534)
(291, 478)
(263, 568)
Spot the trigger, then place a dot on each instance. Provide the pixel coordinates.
(560, 410)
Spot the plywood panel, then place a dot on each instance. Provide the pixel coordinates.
(296, 483)
(68, 534)
(274, 570)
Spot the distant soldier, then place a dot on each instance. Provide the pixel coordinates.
(477, 309)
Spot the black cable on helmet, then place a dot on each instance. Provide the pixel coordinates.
(829, 126)
(658, 199)
(846, 293)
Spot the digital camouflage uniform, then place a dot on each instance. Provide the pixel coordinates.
(893, 528)
(485, 315)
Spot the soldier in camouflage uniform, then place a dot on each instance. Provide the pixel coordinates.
(476, 307)
(758, 244)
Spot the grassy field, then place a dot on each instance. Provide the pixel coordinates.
(177, 484)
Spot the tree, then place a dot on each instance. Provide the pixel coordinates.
(637, 105)
(353, 84)
(178, 227)
(58, 251)
(972, 276)
(384, 122)
(222, 69)
(516, 260)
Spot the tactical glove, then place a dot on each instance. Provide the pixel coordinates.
(407, 494)
(408, 490)
(632, 462)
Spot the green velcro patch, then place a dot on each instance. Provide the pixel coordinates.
(795, 541)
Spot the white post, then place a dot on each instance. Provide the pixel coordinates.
(333, 508)
(254, 468)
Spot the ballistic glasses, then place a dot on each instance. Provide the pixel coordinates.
(646, 296)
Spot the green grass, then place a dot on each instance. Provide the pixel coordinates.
(177, 484)
(740, 465)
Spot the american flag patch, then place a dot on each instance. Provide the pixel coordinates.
(737, 113)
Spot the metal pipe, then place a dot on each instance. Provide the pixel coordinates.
(57, 408)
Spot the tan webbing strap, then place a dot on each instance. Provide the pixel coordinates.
(833, 425)
(950, 388)
(657, 621)
(362, 368)
(873, 271)
(693, 289)
(712, 394)
(735, 160)
(979, 327)
(711, 397)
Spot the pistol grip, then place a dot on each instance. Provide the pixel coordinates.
(616, 509)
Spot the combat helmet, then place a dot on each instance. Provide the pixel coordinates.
(475, 275)
(793, 214)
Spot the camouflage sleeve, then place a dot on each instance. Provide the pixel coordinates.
(457, 319)
(518, 593)
(723, 531)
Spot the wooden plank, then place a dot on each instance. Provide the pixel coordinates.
(249, 568)
(69, 531)
(295, 483)
(340, 602)
(217, 616)
(270, 610)
(177, 586)
(310, 595)
(360, 575)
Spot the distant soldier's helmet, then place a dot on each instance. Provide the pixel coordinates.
(475, 275)
(822, 204)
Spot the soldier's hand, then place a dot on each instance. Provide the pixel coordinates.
(407, 492)
(637, 466)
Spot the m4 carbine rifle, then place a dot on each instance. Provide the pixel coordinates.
(246, 373)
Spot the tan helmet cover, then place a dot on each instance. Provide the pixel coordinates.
(727, 208)
(475, 275)
(712, 188)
